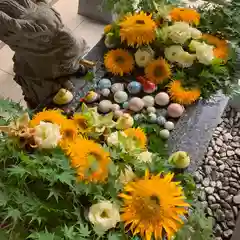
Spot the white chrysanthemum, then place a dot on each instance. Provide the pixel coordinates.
(127, 175)
(195, 33)
(145, 157)
(179, 32)
(185, 59)
(104, 215)
(144, 56)
(194, 45)
(205, 54)
(172, 53)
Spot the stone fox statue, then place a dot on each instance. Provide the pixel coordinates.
(45, 50)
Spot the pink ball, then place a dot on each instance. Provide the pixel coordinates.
(162, 99)
(175, 110)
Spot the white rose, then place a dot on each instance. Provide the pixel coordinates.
(145, 157)
(179, 32)
(205, 54)
(172, 53)
(104, 215)
(47, 135)
(194, 45)
(127, 175)
(113, 138)
(195, 33)
(144, 56)
(185, 59)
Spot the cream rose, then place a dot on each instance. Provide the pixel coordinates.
(172, 53)
(145, 157)
(104, 215)
(127, 175)
(47, 135)
(185, 59)
(205, 54)
(144, 56)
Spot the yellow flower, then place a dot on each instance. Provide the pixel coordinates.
(138, 29)
(52, 116)
(107, 29)
(157, 71)
(183, 95)
(137, 135)
(186, 15)
(90, 160)
(119, 62)
(153, 205)
(81, 122)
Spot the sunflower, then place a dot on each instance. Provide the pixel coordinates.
(138, 135)
(119, 62)
(157, 71)
(69, 132)
(107, 29)
(53, 116)
(90, 160)
(81, 122)
(183, 95)
(153, 205)
(186, 15)
(138, 29)
(221, 46)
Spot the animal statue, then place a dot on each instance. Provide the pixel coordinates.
(45, 50)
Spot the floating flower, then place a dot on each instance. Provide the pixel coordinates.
(153, 205)
(145, 157)
(138, 29)
(127, 175)
(90, 160)
(52, 116)
(81, 122)
(104, 215)
(144, 56)
(119, 62)
(157, 71)
(137, 135)
(188, 15)
(183, 95)
(220, 46)
(107, 28)
(47, 135)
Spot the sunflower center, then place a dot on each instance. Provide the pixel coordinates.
(82, 124)
(68, 133)
(155, 199)
(142, 22)
(104, 214)
(157, 72)
(120, 59)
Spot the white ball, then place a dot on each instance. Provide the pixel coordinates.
(117, 87)
(115, 107)
(152, 118)
(120, 97)
(169, 125)
(162, 99)
(118, 113)
(164, 134)
(148, 101)
(105, 106)
(151, 109)
(105, 92)
(136, 104)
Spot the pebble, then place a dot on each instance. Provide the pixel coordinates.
(221, 167)
(228, 233)
(206, 182)
(236, 199)
(220, 216)
(212, 163)
(237, 151)
(202, 196)
(227, 137)
(211, 199)
(223, 194)
(230, 153)
(215, 206)
(235, 210)
(229, 215)
(219, 142)
(209, 190)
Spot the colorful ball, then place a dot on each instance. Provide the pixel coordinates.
(91, 97)
(162, 112)
(118, 113)
(117, 87)
(151, 109)
(136, 104)
(104, 83)
(105, 92)
(120, 97)
(134, 87)
(162, 99)
(105, 106)
(175, 110)
(161, 120)
(125, 105)
(164, 134)
(148, 101)
(152, 118)
(115, 107)
(169, 125)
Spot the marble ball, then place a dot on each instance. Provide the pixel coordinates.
(105, 92)
(118, 113)
(152, 118)
(175, 110)
(115, 107)
(162, 112)
(105, 106)
(134, 87)
(120, 97)
(148, 101)
(164, 134)
(117, 87)
(161, 120)
(162, 99)
(125, 105)
(91, 97)
(137, 117)
(169, 125)
(136, 104)
(151, 110)
(104, 83)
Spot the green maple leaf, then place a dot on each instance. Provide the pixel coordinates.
(17, 171)
(14, 214)
(42, 236)
(69, 232)
(3, 199)
(54, 193)
(66, 178)
(84, 230)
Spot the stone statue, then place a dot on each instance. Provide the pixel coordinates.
(45, 50)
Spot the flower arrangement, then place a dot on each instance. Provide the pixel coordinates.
(168, 48)
(84, 178)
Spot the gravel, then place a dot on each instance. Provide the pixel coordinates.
(218, 177)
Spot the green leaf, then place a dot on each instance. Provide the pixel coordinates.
(69, 232)
(13, 214)
(42, 236)
(3, 199)
(115, 236)
(66, 178)
(17, 171)
(54, 193)
(84, 230)
(89, 76)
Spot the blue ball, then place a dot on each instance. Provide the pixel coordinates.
(125, 105)
(134, 87)
(104, 83)
(161, 120)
